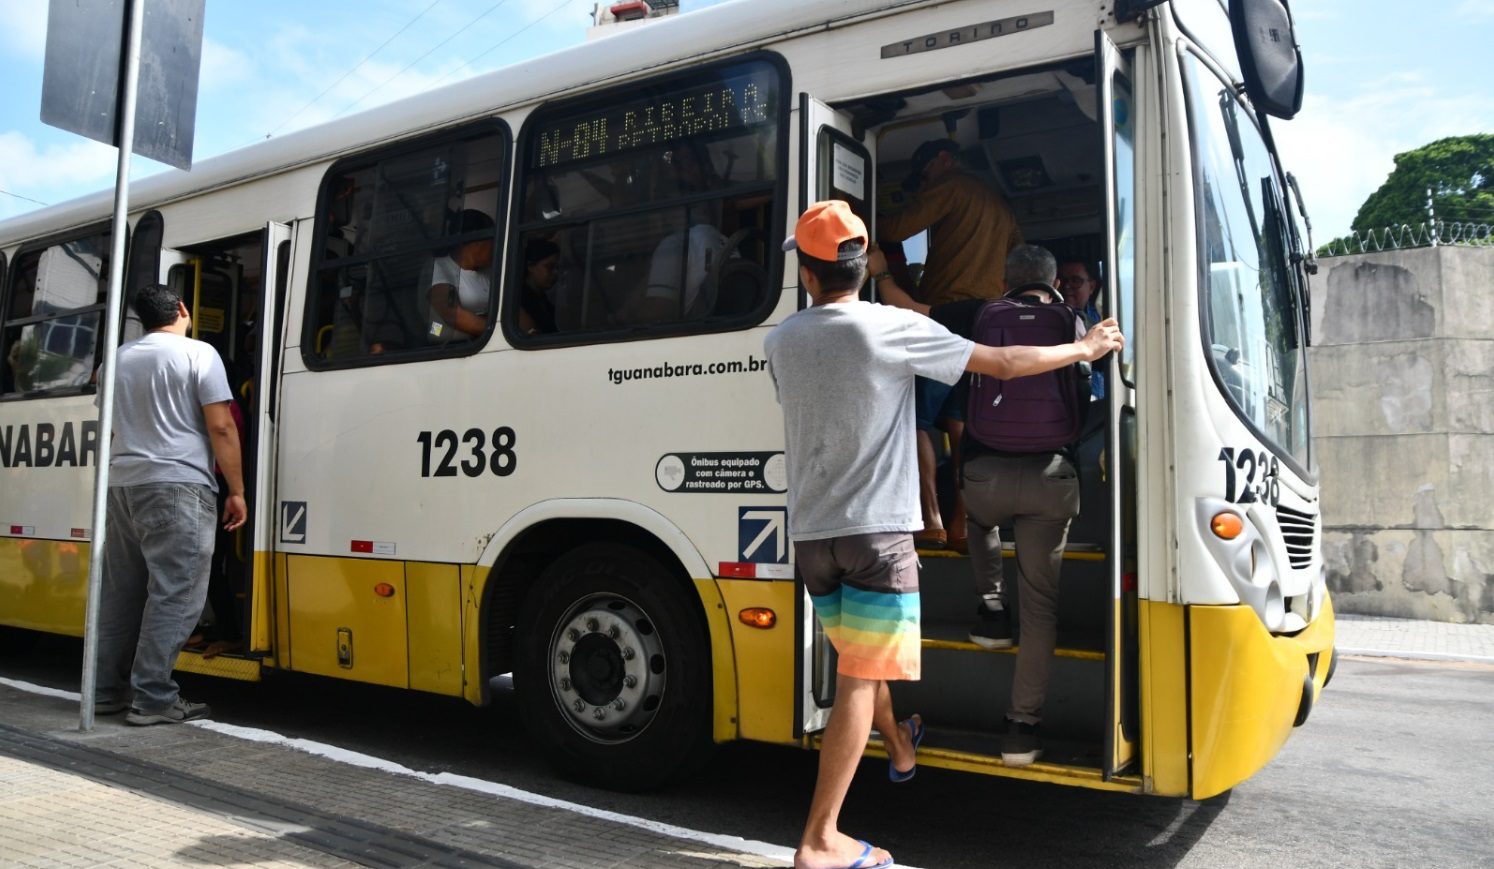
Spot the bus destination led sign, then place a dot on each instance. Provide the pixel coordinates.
(733, 103)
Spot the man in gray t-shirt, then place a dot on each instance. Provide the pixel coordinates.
(843, 370)
(172, 418)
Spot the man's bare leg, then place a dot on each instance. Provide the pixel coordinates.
(898, 740)
(957, 535)
(857, 703)
(928, 491)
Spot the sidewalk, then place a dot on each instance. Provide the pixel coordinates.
(214, 794)
(1379, 637)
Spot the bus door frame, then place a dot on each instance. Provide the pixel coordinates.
(274, 280)
(814, 673)
(1121, 665)
(274, 283)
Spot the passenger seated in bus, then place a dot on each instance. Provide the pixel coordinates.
(541, 272)
(677, 273)
(461, 284)
(1036, 493)
(970, 228)
(683, 258)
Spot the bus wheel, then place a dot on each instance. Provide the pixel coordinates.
(613, 670)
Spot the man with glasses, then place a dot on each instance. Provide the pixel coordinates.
(1076, 280)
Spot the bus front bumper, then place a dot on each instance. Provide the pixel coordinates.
(1248, 690)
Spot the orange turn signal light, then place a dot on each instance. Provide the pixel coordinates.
(1226, 525)
(384, 589)
(758, 617)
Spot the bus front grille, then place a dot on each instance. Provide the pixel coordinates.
(1299, 530)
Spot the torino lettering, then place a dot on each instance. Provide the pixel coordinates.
(45, 445)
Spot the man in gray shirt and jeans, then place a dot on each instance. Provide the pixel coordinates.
(171, 419)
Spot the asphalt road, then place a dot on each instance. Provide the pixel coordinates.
(1395, 768)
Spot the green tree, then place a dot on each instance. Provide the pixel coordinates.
(1458, 170)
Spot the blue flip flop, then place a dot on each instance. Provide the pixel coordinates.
(866, 850)
(915, 729)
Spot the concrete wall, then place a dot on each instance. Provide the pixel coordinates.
(1402, 371)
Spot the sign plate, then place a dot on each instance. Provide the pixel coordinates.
(971, 33)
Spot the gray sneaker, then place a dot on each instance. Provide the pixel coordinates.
(993, 628)
(110, 707)
(1020, 745)
(176, 713)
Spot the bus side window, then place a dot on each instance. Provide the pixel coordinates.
(390, 229)
(53, 321)
(649, 207)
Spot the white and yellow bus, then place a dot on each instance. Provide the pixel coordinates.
(580, 481)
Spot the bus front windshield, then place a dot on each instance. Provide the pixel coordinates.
(1252, 319)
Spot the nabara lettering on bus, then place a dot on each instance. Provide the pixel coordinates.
(47, 445)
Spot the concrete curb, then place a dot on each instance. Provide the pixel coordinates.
(1413, 656)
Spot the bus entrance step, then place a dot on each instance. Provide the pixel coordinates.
(956, 637)
(222, 666)
(967, 646)
(1066, 758)
(1072, 552)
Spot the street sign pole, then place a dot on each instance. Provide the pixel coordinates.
(134, 25)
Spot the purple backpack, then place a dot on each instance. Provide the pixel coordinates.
(1032, 414)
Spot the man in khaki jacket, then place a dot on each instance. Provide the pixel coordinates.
(971, 228)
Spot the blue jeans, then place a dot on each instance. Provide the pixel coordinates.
(156, 563)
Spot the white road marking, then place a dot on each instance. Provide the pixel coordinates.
(367, 761)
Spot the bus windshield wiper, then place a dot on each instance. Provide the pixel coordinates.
(1309, 258)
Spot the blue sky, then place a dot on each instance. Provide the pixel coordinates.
(1382, 78)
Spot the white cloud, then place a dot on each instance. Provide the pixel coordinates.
(224, 67)
(1342, 150)
(1475, 10)
(51, 173)
(25, 30)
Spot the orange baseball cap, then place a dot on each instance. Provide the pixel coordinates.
(823, 227)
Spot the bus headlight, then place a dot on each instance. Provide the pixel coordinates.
(1235, 542)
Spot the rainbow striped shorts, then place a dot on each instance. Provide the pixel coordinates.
(865, 591)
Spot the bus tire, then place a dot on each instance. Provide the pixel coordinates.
(613, 670)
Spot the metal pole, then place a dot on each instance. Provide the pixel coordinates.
(1431, 217)
(133, 28)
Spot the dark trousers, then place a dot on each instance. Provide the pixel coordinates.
(1038, 495)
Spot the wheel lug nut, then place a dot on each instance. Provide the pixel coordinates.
(619, 704)
(628, 653)
(630, 682)
(599, 714)
(565, 657)
(573, 634)
(592, 625)
(565, 684)
(612, 632)
(579, 705)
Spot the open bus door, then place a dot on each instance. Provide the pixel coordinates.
(835, 162)
(1117, 126)
(259, 465)
(240, 319)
